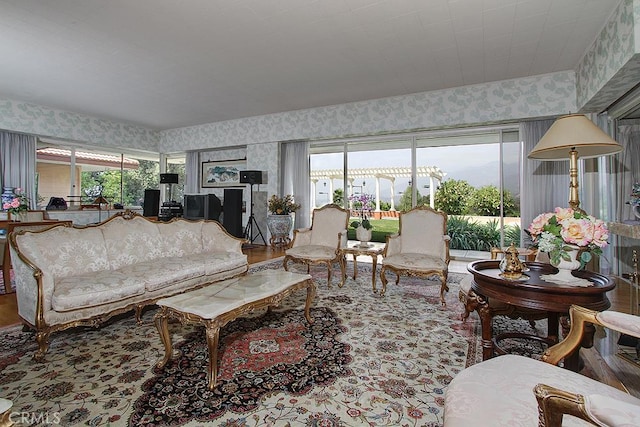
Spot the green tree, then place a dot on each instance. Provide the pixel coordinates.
(485, 201)
(453, 195)
(405, 200)
(338, 196)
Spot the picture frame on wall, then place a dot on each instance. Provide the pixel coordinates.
(222, 173)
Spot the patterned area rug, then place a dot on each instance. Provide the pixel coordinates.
(366, 360)
(13, 286)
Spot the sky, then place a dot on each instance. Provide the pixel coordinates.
(476, 164)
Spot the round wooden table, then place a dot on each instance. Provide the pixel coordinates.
(534, 293)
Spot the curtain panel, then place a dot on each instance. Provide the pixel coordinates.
(545, 184)
(192, 173)
(295, 178)
(18, 163)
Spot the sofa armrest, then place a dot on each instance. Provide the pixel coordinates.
(393, 245)
(301, 237)
(342, 239)
(33, 286)
(554, 403)
(580, 317)
(216, 237)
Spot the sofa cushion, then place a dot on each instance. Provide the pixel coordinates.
(216, 262)
(66, 251)
(130, 241)
(181, 238)
(160, 273)
(313, 252)
(88, 290)
(413, 261)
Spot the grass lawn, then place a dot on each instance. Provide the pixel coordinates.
(381, 228)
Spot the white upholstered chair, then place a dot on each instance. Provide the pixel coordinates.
(515, 390)
(320, 243)
(420, 249)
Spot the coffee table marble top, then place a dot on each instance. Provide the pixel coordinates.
(211, 301)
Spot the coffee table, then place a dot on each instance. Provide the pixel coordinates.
(217, 304)
(356, 250)
(534, 293)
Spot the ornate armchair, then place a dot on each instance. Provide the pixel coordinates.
(515, 390)
(420, 249)
(320, 243)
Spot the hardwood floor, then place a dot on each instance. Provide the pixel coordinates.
(605, 362)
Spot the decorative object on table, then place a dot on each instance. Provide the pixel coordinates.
(571, 238)
(634, 201)
(17, 205)
(7, 196)
(362, 203)
(511, 266)
(565, 138)
(279, 220)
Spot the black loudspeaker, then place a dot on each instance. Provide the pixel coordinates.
(232, 212)
(168, 178)
(151, 204)
(213, 207)
(250, 177)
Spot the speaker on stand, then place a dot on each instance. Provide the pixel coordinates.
(252, 178)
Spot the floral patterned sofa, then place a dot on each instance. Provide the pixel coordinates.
(83, 275)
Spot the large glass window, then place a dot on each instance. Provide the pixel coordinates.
(472, 175)
(86, 176)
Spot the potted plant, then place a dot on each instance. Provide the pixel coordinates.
(279, 220)
(362, 203)
(16, 203)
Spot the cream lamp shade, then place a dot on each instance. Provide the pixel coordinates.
(569, 137)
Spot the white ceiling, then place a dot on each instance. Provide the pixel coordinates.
(172, 63)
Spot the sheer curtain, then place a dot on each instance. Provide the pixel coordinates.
(295, 178)
(192, 173)
(545, 184)
(18, 163)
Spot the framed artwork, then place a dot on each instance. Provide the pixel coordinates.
(222, 173)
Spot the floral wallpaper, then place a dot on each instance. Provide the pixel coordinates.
(612, 65)
(43, 121)
(543, 95)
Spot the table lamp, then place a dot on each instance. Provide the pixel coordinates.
(566, 138)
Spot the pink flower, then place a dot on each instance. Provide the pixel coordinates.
(537, 226)
(6, 205)
(564, 213)
(577, 231)
(15, 203)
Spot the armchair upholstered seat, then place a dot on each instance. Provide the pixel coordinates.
(320, 243)
(420, 249)
(514, 390)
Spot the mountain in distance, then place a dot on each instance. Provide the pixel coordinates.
(488, 174)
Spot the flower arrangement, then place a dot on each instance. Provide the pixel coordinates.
(282, 205)
(362, 202)
(20, 203)
(551, 232)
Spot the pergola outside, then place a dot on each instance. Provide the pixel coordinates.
(390, 173)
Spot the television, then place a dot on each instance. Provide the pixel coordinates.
(202, 206)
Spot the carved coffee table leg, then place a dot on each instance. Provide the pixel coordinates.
(161, 322)
(213, 334)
